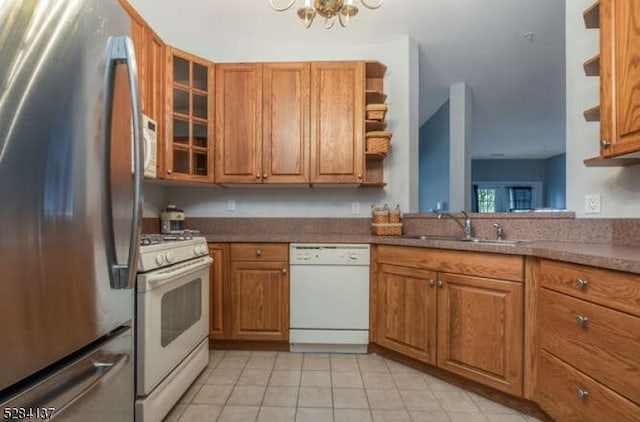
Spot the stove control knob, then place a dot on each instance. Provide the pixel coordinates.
(200, 250)
(299, 256)
(159, 259)
(353, 256)
(170, 257)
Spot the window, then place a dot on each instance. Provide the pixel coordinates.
(520, 198)
(506, 196)
(486, 198)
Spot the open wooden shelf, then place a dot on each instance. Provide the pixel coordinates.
(374, 126)
(592, 114)
(375, 70)
(375, 155)
(592, 16)
(375, 97)
(592, 66)
(611, 162)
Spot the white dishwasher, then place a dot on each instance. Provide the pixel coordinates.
(329, 291)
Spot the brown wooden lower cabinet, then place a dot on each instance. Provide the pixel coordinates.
(220, 296)
(259, 279)
(465, 324)
(407, 318)
(249, 292)
(480, 330)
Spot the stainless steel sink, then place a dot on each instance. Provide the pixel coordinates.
(482, 241)
(431, 237)
(500, 242)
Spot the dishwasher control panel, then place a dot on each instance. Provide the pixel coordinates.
(328, 254)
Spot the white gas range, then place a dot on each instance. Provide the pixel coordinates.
(172, 320)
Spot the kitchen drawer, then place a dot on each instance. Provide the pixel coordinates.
(610, 288)
(559, 391)
(605, 347)
(260, 252)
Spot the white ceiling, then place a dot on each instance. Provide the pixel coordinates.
(518, 85)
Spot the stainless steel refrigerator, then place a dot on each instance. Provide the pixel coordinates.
(70, 184)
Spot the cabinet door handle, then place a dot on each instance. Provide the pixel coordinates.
(258, 252)
(359, 175)
(440, 284)
(265, 175)
(583, 394)
(582, 283)
(432, 282)
(605, 144)
(582, 320)
(169, 171)
(257, 175)
(284, 271)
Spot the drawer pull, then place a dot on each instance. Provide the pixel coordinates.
(582, 320)
(582, 283)
(432, 282)
(258, 252)
(440, 284)
(582, 394)
(284, 271)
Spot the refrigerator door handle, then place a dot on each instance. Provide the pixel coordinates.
(120, 51)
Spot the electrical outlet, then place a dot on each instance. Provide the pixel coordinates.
(593, 203)
(355, 208)
(231, 205)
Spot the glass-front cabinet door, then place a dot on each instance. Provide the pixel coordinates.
(189, 128)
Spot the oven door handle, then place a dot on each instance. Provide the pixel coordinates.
(156, 279)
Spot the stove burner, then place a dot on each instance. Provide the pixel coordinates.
(154, 239)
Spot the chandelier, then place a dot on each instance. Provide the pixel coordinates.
(330, 10)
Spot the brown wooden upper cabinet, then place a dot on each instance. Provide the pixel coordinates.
(619, 77)
(189, 117)
(150, 53)
(337, 122)
(262, 123)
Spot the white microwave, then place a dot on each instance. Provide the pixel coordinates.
(150, 138)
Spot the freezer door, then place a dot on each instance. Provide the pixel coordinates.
(71, 202)
(97, 386)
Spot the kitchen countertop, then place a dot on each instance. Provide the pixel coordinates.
(603, 255)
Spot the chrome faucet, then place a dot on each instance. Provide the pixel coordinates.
(499, 231)
(466, 227)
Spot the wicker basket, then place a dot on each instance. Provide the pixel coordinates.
(394, 215)
(378, 142)
(387, 229)
(376, 111)
(380, 215)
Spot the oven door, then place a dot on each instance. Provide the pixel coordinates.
(172, 318)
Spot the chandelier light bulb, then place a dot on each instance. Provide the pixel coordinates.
(330, 10)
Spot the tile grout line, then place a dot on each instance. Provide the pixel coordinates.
(364, 387)
(264, 393)
(233, 388)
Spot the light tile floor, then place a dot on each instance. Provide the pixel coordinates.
(240, 386)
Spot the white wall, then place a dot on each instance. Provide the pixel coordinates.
(459, 147)
(619, 187)
(401, 86)
(154, 200)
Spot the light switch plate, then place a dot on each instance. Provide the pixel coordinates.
(231, 205)
(593, 203)
(355, 208)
